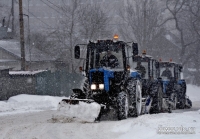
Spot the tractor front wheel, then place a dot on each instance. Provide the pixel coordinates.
(123, 106)
(134, 89)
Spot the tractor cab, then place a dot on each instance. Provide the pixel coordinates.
(147, 67)
(106, 54)
(168, 71)
(171, 74)
(174, 86)
(149, 71)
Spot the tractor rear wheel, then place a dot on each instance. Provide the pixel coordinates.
(157, 94)
(182, 103)
(182, 96)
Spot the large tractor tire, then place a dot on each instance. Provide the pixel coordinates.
(134, 90)
(182, 103)
(123, 106)
(157, 95)
(182, 96)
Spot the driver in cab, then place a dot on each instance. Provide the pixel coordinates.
(167, 73)
(110, 60)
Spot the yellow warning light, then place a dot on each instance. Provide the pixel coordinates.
(144, 52)
(116, 37)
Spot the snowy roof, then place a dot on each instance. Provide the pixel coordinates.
(168, 62)
(143, 56)
(192, 69)
(4, 68)
(25, 72)
(7, 60)
(13, 47)
(148, 56)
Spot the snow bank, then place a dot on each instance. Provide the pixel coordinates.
(85, 112)
(26, 103)
(142, 127)
(25, 72)
(149, 126)
(193, 92)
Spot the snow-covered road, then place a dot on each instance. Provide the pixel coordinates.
(19, 121)
(39, 126)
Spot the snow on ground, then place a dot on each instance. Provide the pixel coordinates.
(87, 112)
(193, 92)
(39, 125)
(26, 103)
(153, 126)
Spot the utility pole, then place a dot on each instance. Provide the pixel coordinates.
(145, 25)
(22, 35)
(12, 12)
(29, 37)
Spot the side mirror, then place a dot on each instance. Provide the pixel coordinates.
(135, 49)
(77, 52)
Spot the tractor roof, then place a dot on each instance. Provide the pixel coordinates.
(143, 58)
(169, 63)
(105, 45)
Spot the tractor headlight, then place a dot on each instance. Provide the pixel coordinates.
(101, 86)
(93, 86)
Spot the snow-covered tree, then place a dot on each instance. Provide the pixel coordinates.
(80, 23)
(179, 12)
(4, 12)
(186, 17)
(94, 22)
(142, 22)
(194, 12)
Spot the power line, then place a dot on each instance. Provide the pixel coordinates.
(50, 6)
(53, 4)
(36, 17)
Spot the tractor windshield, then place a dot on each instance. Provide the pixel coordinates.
(166, 72)
(142, 68)
(108, 58)
(107, 54)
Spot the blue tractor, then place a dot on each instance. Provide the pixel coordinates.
(152, 85)
(110, 81)
(174, 86)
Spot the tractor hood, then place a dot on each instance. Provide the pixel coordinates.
(103, 76)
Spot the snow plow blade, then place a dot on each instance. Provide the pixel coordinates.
(84, 110)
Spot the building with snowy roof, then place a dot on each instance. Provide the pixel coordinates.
(10, 57)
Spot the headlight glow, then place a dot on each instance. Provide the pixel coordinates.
(101, 86)
(93, 86)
